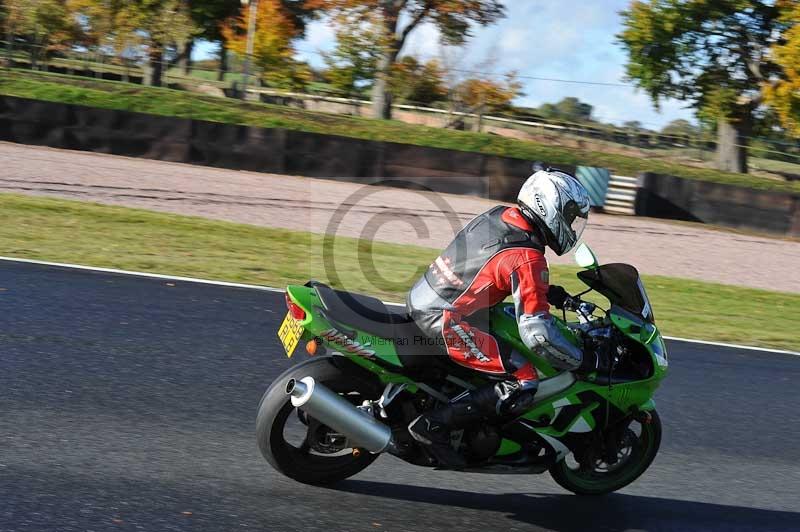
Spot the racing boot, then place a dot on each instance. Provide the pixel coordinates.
(512, 397)
(433, 429)
(501, 400)
(509, 398)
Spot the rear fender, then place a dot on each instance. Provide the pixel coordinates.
(377, 355)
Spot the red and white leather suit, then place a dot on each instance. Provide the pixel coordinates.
(496, 255)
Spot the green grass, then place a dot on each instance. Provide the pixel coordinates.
(771, 165)
(98, 235)
(113, 95)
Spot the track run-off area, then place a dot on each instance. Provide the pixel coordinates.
(129, 403)
(656, 247)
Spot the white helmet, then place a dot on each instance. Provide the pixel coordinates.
(558, 205)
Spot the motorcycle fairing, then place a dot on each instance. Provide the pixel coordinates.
(554, 419)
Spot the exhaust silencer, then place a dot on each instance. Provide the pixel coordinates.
(336, 412)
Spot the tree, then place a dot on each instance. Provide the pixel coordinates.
(680, 128)
(398, 18)
(633, 125)
(98, 21)
(483, 95)
(711, 53)
(160, 27)
(273, 51)
(353, 64)
(15, 21)
(154, 29)
(569, 109)
(418, 83)
(784, 94)
(208, 14)
(45, 25)
(487, 94)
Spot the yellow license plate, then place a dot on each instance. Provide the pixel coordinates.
(289, 334)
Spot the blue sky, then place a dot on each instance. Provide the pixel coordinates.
(570, 39)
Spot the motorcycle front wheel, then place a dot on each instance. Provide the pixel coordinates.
(638, 448)
(299, 446)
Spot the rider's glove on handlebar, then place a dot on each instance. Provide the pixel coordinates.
(557, 296)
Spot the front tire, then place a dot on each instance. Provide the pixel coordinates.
(599, 480)
(275, 409)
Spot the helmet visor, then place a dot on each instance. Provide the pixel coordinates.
(578, 225)
(573, 223)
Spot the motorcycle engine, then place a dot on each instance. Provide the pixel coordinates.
(482, 442)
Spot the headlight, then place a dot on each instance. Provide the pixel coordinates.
(647, 333)
(660, 350)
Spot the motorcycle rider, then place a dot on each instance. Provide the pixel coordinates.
(500, 253)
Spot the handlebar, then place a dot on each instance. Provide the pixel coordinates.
(571, 303)
(562, 300)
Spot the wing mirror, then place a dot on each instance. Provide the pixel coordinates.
(585, 257)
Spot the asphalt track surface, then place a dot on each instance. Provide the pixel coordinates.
(129, 404)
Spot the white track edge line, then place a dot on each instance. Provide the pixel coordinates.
(732, 346)
(144, 274)
(272, 289)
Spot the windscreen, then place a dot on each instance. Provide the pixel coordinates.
(621, 284)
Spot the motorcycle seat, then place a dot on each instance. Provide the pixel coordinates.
(415, 350)
(365, 313)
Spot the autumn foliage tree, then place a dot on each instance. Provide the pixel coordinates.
(714, 54)
(784, 94)
(44, 24)
(417, 82)
(482, 94)
(155, 29)
(398, 18)
(273, 49)
(211, 17)
(98, 22)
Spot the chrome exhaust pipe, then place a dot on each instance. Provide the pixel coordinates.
(336, 412)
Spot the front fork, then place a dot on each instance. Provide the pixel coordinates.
(607, 441)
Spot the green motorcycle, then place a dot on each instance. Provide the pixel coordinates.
(372, 372)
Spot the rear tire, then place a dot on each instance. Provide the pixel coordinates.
(601, 483)
(275, 409)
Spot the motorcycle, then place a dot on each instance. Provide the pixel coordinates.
(372, 372)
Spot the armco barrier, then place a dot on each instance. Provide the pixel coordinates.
(596, 182)
(259, 149)
(665, 196)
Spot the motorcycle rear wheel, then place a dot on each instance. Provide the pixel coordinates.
(301, 463)
(604, 478)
